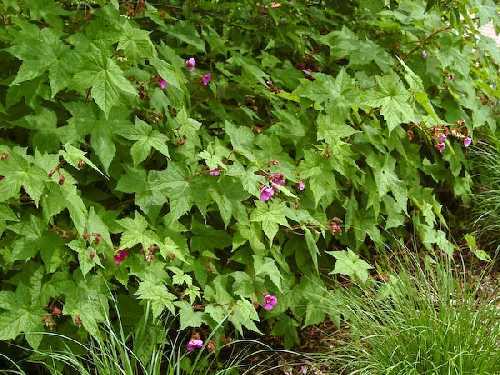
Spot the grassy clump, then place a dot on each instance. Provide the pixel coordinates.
(486, 200)
(422, 320)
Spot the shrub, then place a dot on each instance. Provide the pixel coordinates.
(427, 320)
(200, 156)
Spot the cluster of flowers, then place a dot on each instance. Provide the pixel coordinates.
(276, 180)
(190, 64)
(441, 135)
(270, 301)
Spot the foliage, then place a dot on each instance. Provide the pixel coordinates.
(422, 320)
(486, 197)
(147, 351)
(122, 164)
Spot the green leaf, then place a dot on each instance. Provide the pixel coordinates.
(87, 300)
(480, 254)
(189, 317)
(87, 256)
(158, 295)
(393, 100)
(135, 232)
(74, 156)
(244, 315)
(270, 216)
(349, 264)
(19, 171)
(135, 43)
(42, 50)
(312, 247)
(267, 267)
(146, 138)
(106, 79)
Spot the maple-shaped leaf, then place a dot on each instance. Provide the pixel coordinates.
(393, 99)
(18, 170)
(87, 255)
(105, 78)
(76, 157)
(86, 301)
(271, 216)
(243, 314)
(136, 232)
(42, 50)
(146, 138)
(345, 43)
(147, 196)
(187, 33)
(266, 266)
(176, 183)
(87, 120)
(350, 264)
(156, 294)
(19, 313)
(135, 43)
(189, 317)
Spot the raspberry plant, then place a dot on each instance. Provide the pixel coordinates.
(194, 157)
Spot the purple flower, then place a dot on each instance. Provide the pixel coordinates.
(190, 64)
(266, 193)
(303, 369)
(442, 138)
(214, 172)
(467, 141)
(162, 83)
(440, 147)
(301, 185)
(206, 78)
(120, 256)
(277, 179)
(269, 302)
(194, 344)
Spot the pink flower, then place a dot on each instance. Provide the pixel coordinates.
(441, 138)
(266, 193)
(162, 83)
(190, 64)
(269, 302)
(277, 179)
(440, 147)
(467, 141)
(205, 79)
(214, 172)
(120, 256)
(301, 185)
(194, 344)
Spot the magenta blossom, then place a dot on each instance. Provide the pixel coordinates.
(190, 64)
(205, 79)
(442, 138)
(269, 302)
(301, 185)
(277, 179)
(440, 147)
(162, 83)
(120, 256)
(194, 344)
(266, 193)
(214, 172)
(467, 141)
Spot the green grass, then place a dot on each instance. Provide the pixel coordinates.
(486, 198)
(148, 350)
(423, 320)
